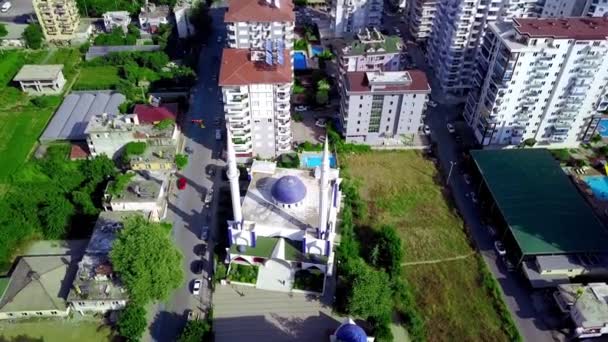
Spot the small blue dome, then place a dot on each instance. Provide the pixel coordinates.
(288, 190)
(351, 333)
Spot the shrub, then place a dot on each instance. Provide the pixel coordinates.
(135, 148)
(243, 273)
(120, 183)
(42, 101)
(289, 161)
(309, 280)
(132, 322)
(297, 117)
(300, 44)
(596, 138)
(181, 160)
(195, 331)
(164, 124)
(33, 36)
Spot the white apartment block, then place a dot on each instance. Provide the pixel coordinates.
(420, 17)
(379, 107)
(541, 79)
(251, 23)
(596, 8)
(257, 102)
(370, 50)
(349, 16)
(59, 19)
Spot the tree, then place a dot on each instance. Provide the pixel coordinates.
(323, 85)
(33, 36)
(321, 97)
(181, 160)
(201, 20)
(389, 251)
(195, 331)
(132, 321)
(3, 31)
(56, 216)
(369, 294)
(146, 260)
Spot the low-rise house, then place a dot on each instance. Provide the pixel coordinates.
(115, 19)
(41, 79)
(145, 194)
(108, 134)
(152, 16)
(587, 306)
(155, 158)
(96, 288)
(38, 287)
(370, 50)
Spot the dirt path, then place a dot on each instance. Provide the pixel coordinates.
(436, 261)
(48, 55)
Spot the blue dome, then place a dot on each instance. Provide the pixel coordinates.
(351, 333)
(288, 190)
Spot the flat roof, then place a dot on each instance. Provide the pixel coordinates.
(541, 206)
(591, 303)
(32, 72)
(238, 69)
(260, 11)
(71, 118)
(581, 28)
(379, 46)
(394, 81)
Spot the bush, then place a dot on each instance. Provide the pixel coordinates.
(300, 44)
(220, 269)
(596, 138)
(309, 280)
(3, 31)
(132, 322)
(243, 273)
(297, 117)
(135, 148)
(120, 183)
(289, 161)
(181, 160)
(33, 36)
(196, 331)
(43, 101)
(164, 124)
(84, 48)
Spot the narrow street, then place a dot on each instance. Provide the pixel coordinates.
(186, 208)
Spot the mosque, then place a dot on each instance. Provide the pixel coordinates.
(286, 221)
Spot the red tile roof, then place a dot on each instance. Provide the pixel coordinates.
(79, 151)
(150, 114)
(259, 11)
(238, 69)
(580, 28)
(357, 82)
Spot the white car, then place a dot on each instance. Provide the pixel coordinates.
(321, 123)
(473, 198)
(196, 288)
(500, 248)
(426, 129)
(205, 233)
(467, 178)
(451, 128)
(6, 7)
(301, 108)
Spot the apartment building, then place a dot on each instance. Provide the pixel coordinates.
(370, 50)
(379, 107)
(541, 79)
(349, 16)
(251, 23)
(596, 8)
(114, 19)
(420, 18)
(59, 19)
(256, 93)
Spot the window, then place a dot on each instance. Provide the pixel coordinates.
(360, 106)
(358, 122)
(269, 120)
(387, 127)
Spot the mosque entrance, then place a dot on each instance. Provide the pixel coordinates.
(275, 275)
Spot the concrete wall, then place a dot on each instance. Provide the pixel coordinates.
(32, 314)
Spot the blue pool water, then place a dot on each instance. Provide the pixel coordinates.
(316, 49)
(299, 61)
(602, 128)
(599, 186)
(311, 161)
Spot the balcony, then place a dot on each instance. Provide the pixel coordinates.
(283, 123)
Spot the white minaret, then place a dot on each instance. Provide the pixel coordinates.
(323, 205)
(233, 177)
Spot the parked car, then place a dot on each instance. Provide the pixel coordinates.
(500, 248)
(473, 198)
(6, 7)
(467, 178)
(301, 108)
(196, 287)
(208, 198)
(426, 129)
(204, 233)
(321, 138)
(321, 123)
(508, 264)
(451, 128)
(181, 183)
(218, 134)
(188, 149)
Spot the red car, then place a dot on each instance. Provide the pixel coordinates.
(181, 183)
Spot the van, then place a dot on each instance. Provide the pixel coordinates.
(218, 134)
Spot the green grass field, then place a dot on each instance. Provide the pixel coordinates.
(70, 58)
(97, 78)
(56, 330)
(400, 189)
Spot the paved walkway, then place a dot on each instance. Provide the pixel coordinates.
(247, 314)
(275, 275)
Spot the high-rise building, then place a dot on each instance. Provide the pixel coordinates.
(541, 80)
(251, 23)
(349, 16)
(59, 19)
(380, 108)
(256, 76)
(420, 16)
(370, 50)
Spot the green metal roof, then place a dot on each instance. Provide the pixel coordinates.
(540, 204)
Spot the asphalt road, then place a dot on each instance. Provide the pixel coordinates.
(19, 12)
(186, 208)
(517, 294)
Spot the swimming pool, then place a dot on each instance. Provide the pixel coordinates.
(599, 186)
(602, 128)
(299, 60)
(316, 49)
(312, 160)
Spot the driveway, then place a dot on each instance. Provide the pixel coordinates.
(186, 209)
(249, 314)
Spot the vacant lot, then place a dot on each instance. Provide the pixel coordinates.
(97, 78)
(400, 189)
(70, 58)
(55, 330)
